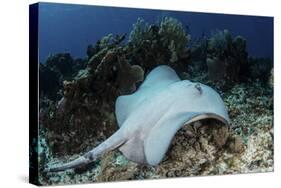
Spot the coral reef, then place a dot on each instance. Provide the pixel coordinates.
(49, 82)
(87, 94)
(86, 107)
(226, 61)
(260, 68)
(247, 146)
(198, 54)
(173, 35)
(64, 64)
(158, 44)
(57, 68)
(226, 54)
(271, 78)
(77, 105)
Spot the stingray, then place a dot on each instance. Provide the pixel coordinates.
(149, 118)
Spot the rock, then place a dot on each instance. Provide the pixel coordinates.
(112, 171)
(236, 145)
(221, 135)
(128, 77)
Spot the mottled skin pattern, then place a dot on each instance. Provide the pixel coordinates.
(150, 117)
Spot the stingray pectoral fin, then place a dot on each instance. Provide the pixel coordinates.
(161, 75)
(133, 150)
(156, 81)
(161, 135)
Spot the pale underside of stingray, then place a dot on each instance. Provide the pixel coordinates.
(149, 118)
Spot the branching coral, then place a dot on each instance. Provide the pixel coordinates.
(158, 44)
(226, 57)
(104, 43)
(141, 32)
(174, 36)
(219, 42)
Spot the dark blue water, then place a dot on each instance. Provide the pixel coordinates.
(71, 28)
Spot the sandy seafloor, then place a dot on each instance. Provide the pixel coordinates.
(245, 147)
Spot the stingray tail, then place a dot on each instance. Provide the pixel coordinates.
(72, 164)
(111, 143)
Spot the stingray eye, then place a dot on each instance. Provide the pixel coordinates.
(198, 87)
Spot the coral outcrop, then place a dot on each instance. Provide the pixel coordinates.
(158, 44)
(226, 57)
(226, 61)
(54, 71)
(260, 68)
